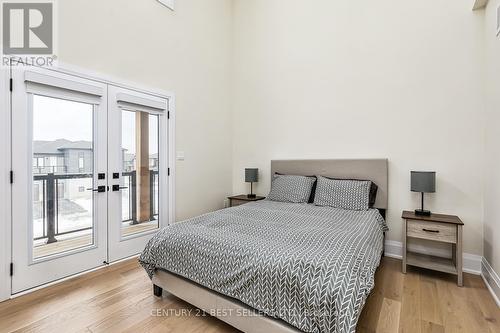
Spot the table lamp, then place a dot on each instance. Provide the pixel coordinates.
(251, 176)
(423, 182)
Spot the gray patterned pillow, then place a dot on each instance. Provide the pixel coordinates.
(289, 188)
(343, 193)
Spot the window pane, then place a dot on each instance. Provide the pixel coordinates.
(139, 151)
(62, 166)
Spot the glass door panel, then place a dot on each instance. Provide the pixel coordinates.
(63, 200)
(140, 172)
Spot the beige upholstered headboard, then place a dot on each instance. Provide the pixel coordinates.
(375, 170)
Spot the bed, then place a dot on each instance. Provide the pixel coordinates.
(277, 267)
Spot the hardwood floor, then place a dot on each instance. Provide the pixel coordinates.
(119, 299)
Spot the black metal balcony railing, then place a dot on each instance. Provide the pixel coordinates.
(49, 203)
(130, 182)
(129, 179)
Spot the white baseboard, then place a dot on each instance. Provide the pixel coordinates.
(471, 262)
(492, 280)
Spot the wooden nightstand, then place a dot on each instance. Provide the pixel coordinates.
(438, 228)
(242, 199)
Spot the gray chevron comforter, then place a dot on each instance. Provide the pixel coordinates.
(312, 267)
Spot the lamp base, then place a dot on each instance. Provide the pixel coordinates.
(251, 196)
(420, 212)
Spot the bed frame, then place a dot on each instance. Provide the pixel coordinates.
(234, 312)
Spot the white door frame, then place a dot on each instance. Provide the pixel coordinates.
(5, 163)
(5, 202)
(28, 82)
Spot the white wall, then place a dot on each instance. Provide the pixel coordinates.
(361, 79)
(187, 52)
(492, 174)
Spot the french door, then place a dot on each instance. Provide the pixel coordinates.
(137, 131)
(89, 186)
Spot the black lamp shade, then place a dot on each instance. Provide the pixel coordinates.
(423, 181)
(251, 175)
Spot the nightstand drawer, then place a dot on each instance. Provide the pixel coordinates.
(443, 232)
(236, 202)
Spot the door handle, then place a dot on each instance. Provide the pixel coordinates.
(118, 187)
(99, 189)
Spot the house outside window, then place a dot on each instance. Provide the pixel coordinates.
(81, 161)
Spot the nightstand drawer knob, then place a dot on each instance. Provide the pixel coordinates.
(429, 230)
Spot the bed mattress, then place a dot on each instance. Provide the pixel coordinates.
(311, 266)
